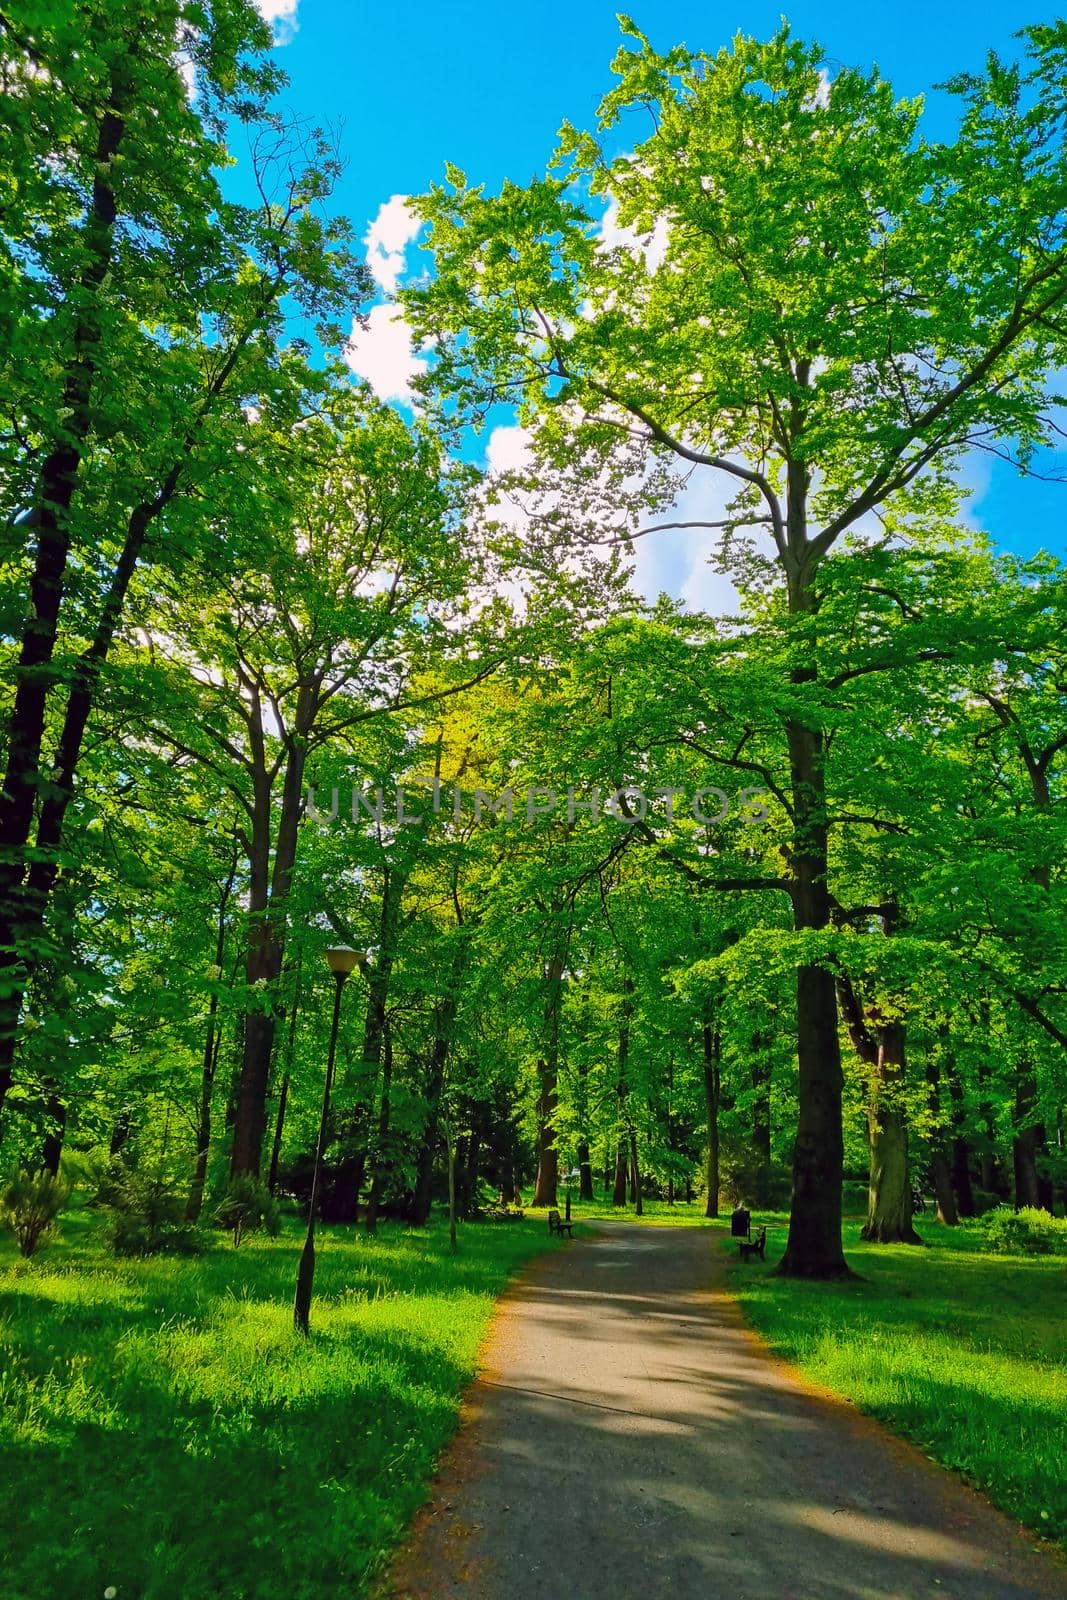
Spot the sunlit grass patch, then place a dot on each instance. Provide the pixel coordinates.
(963, 1352)
(163, 1430)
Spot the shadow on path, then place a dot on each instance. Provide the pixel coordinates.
(630, 1439)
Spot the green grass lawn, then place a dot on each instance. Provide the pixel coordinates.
(962, 1352)
(656, 1212)
(164, 1431)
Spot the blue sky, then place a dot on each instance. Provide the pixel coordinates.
(415, 83)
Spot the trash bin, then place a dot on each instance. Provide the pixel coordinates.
(741, 1224)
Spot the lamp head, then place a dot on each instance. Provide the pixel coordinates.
(342, 960)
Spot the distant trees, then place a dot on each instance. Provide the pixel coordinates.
(704, 908)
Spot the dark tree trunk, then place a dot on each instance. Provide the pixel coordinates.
(351, 1170)
(1028, 1140)
(635, 1167)
(545, 1191)
(374, 1199)
(120, 1133)
(961, 1178)
(960, 1170)
(283, 1093)
(618, 1197)
(269, 889)
(813, 1249)
(52, 1148)
(761, 1117)
(585, 1172)
(279, 1129)
(442, 1044)
(195, 1202)
(471, 1163)
(212, 1043)
(712, 1083)
(940, 1172)
(622, 1090)
(21, 912)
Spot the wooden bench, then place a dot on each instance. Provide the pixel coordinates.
(556, 1224)
(754, 1247)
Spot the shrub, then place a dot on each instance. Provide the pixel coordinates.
(1027, 1232)
(146, 1216)
(247, 1206)
(29, 1206)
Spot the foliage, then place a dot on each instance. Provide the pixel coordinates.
(29, 1205)
(146, 1216)
(1026, 1232)
(247, 1207)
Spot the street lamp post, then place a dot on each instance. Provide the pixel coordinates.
(341, 961)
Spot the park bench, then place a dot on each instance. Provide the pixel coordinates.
(754, 1247)
(556, 1224)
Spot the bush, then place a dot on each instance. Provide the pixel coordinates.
(146, 1216)
(247, 1206)
(29, 1206)
(1028, 1232)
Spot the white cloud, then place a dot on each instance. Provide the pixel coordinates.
(281, 14)
(507, 449)
(677, 561)
(387, 240)
(384, 355)
(652, 246)
(821, 98)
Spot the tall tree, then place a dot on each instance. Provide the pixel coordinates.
(144, 309)
(810, 303)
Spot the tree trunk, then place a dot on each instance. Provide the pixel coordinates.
(880, 1045)
(269, 889)
(940, 1173)
(21, 914)
(279, 1129)
(961, 1178)
(761, 1117)
(712, 1083)
(621, 1092)
(1028, 1140)
(618, 1195)
(442, 1044)
(889, 1206)
(52, 1148)
(195, 1202)
(283, 1093)
(889, 1210)
(635, 1167)
(120, 1133)
(813, 1249)
(451, 1192)
(212, 1044)
(470, 1171)
(374, 1199)
(545, 1191)
(351, 1170)
(585, 1172)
